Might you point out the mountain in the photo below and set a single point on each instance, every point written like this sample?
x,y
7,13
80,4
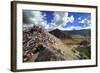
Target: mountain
x,y
60,34
69,33
40,45
83,32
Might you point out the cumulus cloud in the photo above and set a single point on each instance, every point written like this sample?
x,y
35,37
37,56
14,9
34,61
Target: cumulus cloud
x,y
37,18
79,18
85,22
71,19
61,19
70,28
31,18
74,28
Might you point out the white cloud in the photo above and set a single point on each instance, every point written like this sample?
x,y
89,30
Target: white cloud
x,y
25,26
79,18
71,19
73,28
88,27
36,18
61,19
58,18
70,28
83,21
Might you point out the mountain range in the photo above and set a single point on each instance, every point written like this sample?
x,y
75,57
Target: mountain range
x,y
69,33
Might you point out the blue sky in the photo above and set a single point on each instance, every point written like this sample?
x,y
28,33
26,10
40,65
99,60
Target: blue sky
x,y
62,20
48,16
78,17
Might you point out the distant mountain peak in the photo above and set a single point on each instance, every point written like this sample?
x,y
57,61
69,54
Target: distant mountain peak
x,y
59,34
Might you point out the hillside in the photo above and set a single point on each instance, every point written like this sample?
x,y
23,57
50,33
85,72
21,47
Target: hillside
x,y
79,38
69,33
40,45
60,34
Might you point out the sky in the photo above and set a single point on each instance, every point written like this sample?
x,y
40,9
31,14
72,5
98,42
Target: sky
x,y
51,20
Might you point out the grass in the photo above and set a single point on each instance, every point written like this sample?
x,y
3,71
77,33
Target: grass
x,y
71,41
84,52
